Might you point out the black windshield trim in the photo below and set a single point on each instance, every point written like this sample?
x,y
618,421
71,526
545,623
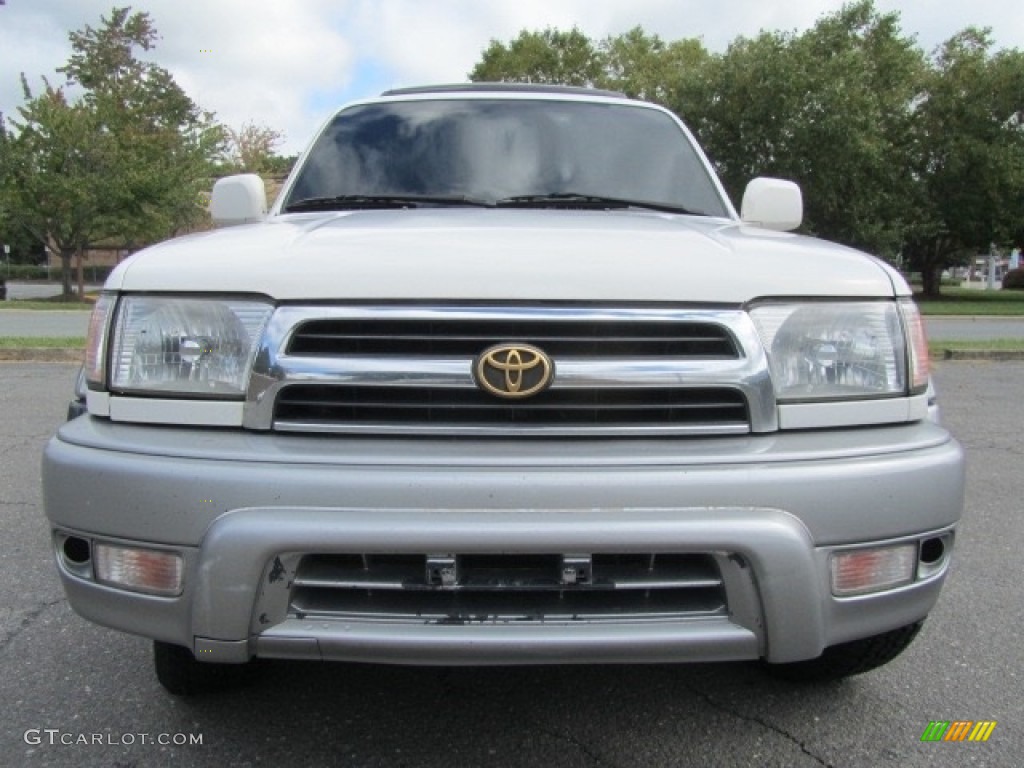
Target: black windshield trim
x,y
342,202
558,199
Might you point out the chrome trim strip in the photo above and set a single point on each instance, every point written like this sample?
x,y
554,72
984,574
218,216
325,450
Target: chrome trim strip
x,y
426,618
274,369
462,430
848,413
398,586
151,410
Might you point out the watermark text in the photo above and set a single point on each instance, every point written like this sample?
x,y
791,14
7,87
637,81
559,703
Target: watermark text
x,y
54,737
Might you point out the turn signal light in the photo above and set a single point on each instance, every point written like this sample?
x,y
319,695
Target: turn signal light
x,y
142,570
861,571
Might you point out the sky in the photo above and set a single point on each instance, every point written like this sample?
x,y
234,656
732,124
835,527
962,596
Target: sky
x,y
288,64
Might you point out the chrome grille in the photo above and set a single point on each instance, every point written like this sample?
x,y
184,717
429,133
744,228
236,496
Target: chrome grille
x,y
393,369
495,588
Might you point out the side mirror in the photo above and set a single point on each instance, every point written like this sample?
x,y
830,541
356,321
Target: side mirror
x,y
240,199
773,204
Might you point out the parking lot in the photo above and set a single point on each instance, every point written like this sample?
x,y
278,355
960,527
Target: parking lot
x,y
65,680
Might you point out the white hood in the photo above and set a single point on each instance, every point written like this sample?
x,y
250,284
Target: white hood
x,y
470,254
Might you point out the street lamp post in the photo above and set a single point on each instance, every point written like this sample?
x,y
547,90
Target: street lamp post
x,y
7,272
991,284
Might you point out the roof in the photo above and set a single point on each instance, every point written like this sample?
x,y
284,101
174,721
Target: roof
x,y
508,87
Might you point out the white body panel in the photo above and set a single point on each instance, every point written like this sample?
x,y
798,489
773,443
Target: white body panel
x,y
475,254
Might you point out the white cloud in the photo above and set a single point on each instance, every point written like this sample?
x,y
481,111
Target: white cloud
x,y
287,64
256,66
35,44
245,65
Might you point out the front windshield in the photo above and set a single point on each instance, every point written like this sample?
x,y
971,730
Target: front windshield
x,y
494,149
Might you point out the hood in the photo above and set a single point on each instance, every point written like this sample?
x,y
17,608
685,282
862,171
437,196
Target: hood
x,y
469,254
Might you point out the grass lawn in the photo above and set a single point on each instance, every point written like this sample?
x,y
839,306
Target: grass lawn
x,y
937,346
968,301
70,306
48,342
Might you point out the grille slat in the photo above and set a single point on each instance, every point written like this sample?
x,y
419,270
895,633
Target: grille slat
x,y
636,338
331,404
521,588
304,337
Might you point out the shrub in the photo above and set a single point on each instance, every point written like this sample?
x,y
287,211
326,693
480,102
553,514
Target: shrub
x,y
1014,280
93,274
25,272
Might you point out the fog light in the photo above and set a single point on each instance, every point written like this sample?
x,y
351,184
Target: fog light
x,y
934,555
871,570
143,570
75,554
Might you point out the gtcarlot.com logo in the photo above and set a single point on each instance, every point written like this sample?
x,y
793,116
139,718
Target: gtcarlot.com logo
x,y
958,730
55,737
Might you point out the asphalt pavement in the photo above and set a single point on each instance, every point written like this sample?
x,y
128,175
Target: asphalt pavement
x,y
76,694
42,322
18,289
948,328
35,323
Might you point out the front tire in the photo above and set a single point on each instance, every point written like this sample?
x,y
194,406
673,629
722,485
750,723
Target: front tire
x,y
845,659
182,675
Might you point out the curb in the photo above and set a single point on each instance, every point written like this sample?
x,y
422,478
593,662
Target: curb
x,y
992,355
976,318
41,355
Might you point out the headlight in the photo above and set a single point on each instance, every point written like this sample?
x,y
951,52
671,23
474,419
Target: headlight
x,y
834,350
180,346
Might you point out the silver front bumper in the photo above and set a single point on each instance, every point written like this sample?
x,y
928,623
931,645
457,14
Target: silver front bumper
x,y
769,508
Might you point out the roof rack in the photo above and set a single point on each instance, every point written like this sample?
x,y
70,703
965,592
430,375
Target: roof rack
x,y
513,87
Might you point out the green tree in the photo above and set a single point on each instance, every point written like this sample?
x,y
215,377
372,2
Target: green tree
x,y
250,149
24,248
968,164
637,64
548,57
124,163
898,153
281,165
645,67
828,108
51,168
166,145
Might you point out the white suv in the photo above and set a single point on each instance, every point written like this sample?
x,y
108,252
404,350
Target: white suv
x,y
503,378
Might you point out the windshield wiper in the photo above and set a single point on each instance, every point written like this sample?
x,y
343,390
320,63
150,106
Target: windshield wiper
x,y
573,199
345,202
549,200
